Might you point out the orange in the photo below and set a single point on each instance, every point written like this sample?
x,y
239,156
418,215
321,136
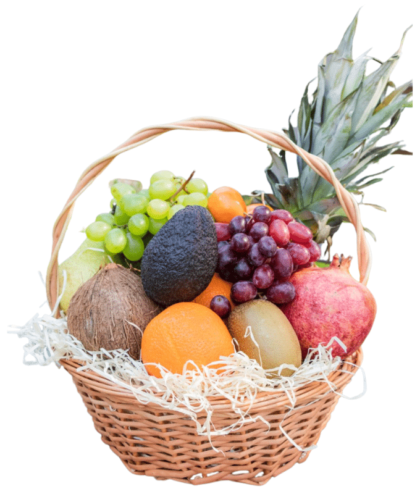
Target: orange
x,y
225,203
183,332
251,207
217,287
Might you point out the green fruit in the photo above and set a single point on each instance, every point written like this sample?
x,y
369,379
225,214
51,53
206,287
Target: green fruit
x,y
197,185
120,189
158,209
162,189
134,248
79,268
180,261
156,225
116,240
106,217
132,204
161,175
196,199
180,198
97,231
145,193
120,218
139,224
275,342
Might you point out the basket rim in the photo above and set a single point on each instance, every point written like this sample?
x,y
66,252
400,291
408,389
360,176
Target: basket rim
x,y
304,393
271,138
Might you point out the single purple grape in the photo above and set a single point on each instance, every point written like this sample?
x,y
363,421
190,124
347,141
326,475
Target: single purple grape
x,y
222,231
243,291
299,253
226,258
299,233
281,214
242,270
314,251
227,274
258,230
240,243
262,213
267,246
282,264
255,257
263,277
220,305
237,225
281,292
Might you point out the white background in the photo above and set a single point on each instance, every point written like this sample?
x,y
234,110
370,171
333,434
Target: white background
x,y
80,77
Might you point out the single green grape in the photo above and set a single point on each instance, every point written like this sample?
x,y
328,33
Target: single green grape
x,y
120,218
174,210
157,209
196,199
106,218
134,248
156,225
145,193
120,189
132,204
113,203
139,224
197,185
180,198
162,175
162,189
115,241
97,231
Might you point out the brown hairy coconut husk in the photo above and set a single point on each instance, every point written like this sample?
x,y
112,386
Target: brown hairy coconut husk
x,y
111,311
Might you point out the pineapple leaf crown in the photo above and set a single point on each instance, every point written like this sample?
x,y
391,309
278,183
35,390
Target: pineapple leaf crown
x,y
348,114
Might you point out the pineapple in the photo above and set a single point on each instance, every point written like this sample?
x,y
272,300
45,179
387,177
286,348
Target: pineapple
x,y
342,124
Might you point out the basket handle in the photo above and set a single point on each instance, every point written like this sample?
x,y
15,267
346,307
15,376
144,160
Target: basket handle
x,y
271,138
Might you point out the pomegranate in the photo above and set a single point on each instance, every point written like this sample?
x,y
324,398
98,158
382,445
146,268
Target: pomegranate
x,y
330,302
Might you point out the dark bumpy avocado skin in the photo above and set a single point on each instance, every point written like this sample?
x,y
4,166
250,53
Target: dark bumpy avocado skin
x,y
180,261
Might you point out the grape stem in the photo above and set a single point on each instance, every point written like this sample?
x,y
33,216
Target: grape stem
x,y
182,188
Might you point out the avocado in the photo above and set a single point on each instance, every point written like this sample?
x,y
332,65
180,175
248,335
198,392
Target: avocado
x,y
179,262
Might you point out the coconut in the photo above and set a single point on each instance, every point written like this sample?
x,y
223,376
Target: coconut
x,y
111,311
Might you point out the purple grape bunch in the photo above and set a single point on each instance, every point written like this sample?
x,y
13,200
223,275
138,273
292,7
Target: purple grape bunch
x,y
259,252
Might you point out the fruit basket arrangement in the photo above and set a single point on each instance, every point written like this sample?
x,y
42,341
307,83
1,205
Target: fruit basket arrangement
x,y
203,332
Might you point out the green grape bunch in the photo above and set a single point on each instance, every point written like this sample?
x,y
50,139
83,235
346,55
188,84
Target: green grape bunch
x,y
137,214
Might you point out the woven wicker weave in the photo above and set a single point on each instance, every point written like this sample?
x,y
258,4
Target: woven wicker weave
x,y
151,440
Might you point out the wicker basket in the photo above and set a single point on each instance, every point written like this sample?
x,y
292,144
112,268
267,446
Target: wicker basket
x,y
154,441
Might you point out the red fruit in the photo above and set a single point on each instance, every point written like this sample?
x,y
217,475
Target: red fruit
x,y
282,264
314,251
299,233
281,214
330,302
263,277
299,253
281,292
279,231
222,231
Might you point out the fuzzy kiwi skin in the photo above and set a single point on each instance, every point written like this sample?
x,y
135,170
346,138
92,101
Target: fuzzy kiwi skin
x,y
276,338
181,259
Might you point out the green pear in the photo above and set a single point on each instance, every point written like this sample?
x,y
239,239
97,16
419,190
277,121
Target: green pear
x,y
80,267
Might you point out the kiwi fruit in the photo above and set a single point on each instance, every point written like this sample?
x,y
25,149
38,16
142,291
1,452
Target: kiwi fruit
x,y
275,342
